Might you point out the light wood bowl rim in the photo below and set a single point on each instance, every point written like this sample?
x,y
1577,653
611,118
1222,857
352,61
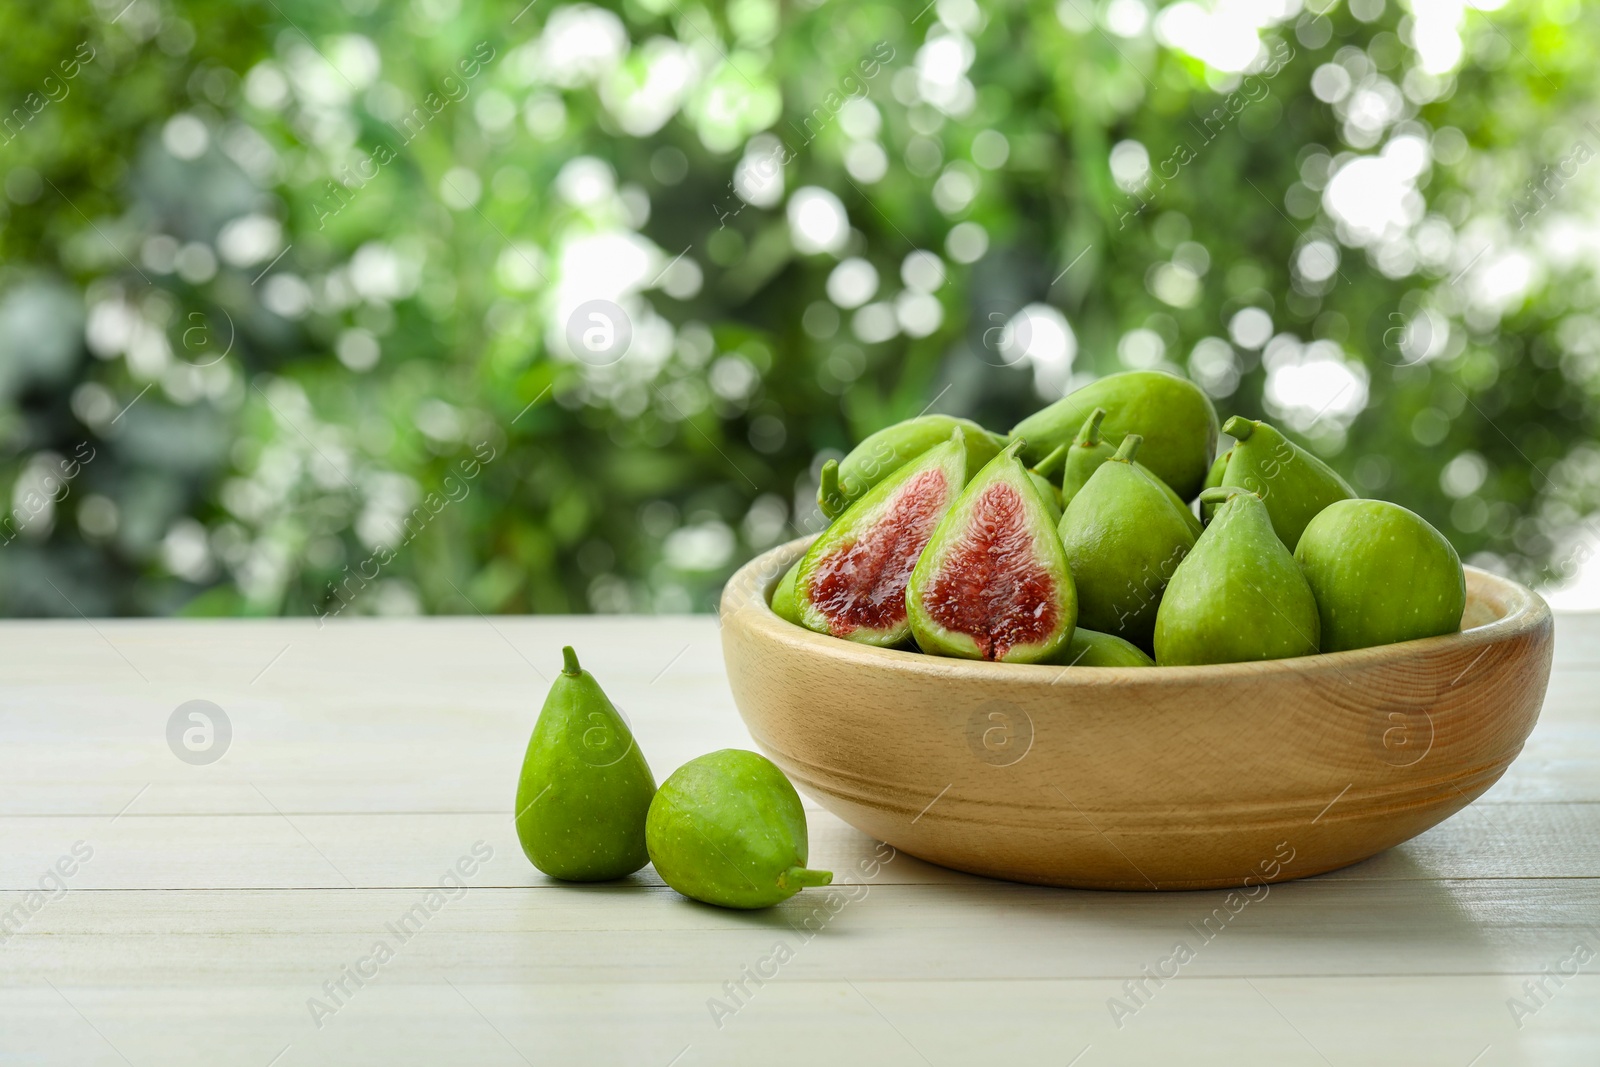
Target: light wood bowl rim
x,y
1522,612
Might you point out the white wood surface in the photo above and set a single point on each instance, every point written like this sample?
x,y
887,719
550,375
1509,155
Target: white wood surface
x,y
369,756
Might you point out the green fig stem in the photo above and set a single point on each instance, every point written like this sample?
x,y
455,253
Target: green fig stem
x,y
569,662
803,878
1239,428
828,495
1221,494
1010,451
1129,448
1089,436
1051,463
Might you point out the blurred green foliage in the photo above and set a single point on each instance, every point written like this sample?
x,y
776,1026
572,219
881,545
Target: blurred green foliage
x,y
284,288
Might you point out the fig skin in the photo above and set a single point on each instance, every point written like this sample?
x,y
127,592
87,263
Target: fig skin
x,y
1295,485
1124,539
1091,648
1213,480
1172,414
727,828
1218,469
1045,476
1381,574
1084,456
783,598
1048,494
585,787
1238,596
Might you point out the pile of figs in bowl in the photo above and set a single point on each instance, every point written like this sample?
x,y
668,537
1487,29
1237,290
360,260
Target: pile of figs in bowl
x,y
1096,652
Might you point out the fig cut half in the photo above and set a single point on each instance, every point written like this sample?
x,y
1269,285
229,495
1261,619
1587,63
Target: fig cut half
x,y
993,582
852,580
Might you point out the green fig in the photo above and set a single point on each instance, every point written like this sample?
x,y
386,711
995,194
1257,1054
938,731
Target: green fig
x,y
1380,574
1294,484
1043,475
1124,536
1174,417
727,828
852,580
1049,494
1213,480
1091,648
783,600
992,582
1088,451
1239,595
1084,456
882,453
585,786
1214,475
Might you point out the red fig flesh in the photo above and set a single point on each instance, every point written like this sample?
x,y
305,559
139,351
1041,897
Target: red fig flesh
x,y
993,582
852,581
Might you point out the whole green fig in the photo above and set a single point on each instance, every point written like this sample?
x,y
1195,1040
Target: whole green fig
x,y
585,786
1213,480
1294,484
1084,455
727,828
1380,574
783,601
1088,451
1046,476
1218,469
1048,494
1124,536
1239,595
1175,418
1091,648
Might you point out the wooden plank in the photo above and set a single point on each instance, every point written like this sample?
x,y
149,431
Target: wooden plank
x,y
882,932
401,716
377,851
1201,1021
1222,1022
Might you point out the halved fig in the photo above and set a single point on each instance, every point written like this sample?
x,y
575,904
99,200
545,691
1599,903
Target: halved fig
x,y
879,454
993,582
852,581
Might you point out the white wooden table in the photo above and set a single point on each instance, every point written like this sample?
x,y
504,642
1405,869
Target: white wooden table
x,y
210,908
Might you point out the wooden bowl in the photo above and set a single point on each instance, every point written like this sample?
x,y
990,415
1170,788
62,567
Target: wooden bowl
x,y
1141,778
